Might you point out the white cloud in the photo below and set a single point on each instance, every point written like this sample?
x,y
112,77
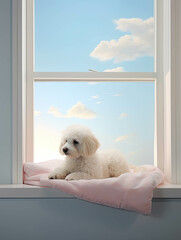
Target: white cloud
x,y
37,113
123,115
138,43
122,138
98,102
95,97
55,112
118,69
79,110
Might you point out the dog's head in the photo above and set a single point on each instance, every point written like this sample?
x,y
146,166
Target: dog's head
x,y
77,141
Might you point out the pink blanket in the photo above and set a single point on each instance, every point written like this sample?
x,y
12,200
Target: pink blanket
x,y
130,191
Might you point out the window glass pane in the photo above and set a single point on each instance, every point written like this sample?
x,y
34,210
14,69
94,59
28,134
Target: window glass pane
x,y
98,35
121,114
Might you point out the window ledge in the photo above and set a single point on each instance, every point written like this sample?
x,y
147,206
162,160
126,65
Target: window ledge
x,y
167,191
27,191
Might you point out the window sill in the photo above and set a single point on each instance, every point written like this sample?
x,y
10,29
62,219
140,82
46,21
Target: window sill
x,y
27,191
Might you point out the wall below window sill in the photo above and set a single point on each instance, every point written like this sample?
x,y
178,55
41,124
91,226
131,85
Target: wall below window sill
x,y
27,191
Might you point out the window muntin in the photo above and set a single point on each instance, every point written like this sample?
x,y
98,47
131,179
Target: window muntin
x,y
78,36
121,114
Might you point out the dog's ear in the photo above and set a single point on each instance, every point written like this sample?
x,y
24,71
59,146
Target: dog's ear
x,y
89,146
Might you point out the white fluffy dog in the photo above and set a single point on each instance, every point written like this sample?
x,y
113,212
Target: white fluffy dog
x,y
82,161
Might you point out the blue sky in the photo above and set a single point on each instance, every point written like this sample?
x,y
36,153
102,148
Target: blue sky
x,y
81,35
66,32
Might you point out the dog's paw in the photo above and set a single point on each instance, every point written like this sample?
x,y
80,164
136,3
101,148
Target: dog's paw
x,y
72,176
77,176
52,176
57,175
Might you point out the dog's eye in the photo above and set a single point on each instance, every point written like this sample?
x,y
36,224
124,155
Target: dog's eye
x,y
75,142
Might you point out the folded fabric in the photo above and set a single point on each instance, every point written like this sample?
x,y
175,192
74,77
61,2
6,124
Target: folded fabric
x,y
130,191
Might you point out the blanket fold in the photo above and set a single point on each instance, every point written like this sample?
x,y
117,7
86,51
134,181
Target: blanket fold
x,y
130,191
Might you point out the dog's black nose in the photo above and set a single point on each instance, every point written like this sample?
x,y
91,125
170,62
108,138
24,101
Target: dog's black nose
x,y
65,150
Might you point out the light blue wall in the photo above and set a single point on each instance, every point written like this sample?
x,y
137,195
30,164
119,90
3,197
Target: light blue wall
x,y
46,219
67,219
5,92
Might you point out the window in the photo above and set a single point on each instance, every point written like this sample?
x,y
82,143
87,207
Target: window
x,y
94,36
99,61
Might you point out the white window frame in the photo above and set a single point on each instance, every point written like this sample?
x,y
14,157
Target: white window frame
x,y
167,91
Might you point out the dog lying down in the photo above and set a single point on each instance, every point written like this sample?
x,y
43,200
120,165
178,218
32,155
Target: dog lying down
x,y
82,161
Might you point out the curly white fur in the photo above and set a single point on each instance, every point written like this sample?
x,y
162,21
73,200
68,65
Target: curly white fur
x,y
83,161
